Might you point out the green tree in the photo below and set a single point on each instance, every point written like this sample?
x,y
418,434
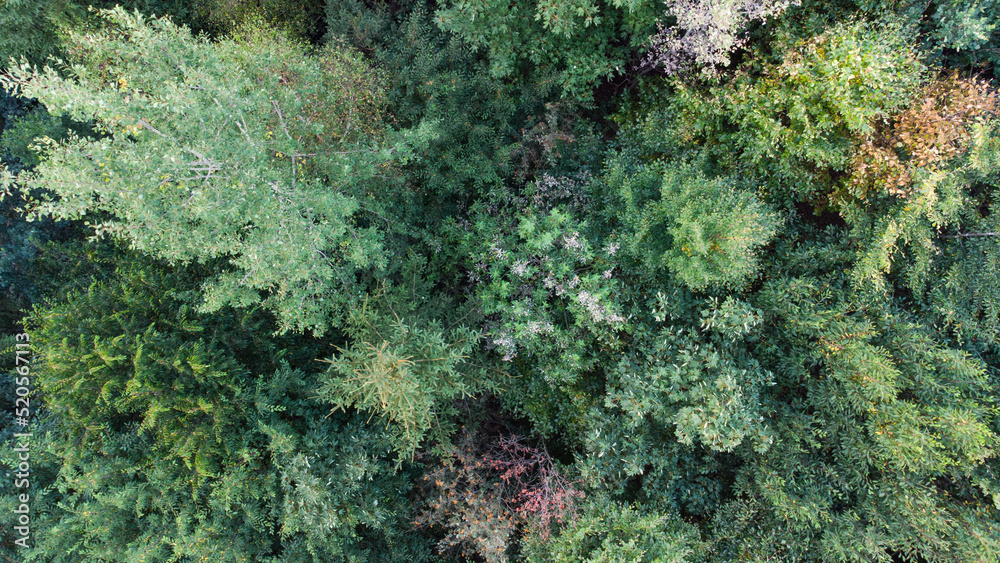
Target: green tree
x,y
36,29
406,368
570,44
180,436
793,127
881,428
610,531
245,150
705,232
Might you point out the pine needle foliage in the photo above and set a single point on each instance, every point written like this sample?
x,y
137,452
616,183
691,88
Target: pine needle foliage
x,y
706,232
246,150
407,372
748,314
180,436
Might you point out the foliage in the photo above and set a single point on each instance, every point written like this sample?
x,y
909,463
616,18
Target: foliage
x,y
886,429
574,303
950,181
20,240
707,371
219,18
274,179
795,127
965,297
573,44
610,531
407,372
179,435
433,76
968,28
709,31
481,492
935,128
31,29
20,134
706,232
548,296
36,29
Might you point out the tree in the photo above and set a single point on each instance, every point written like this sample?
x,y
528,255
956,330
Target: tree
x,y
747,314
705,232
176,435
407,369
706,31
881,428
612,531
36,29
795,125
574,43
246,151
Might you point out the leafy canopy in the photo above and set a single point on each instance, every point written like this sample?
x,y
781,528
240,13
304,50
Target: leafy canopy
x,y
246,151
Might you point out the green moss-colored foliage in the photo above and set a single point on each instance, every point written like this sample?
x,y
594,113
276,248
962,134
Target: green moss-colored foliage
x,y
237,149
22,135
968,27
32,29
888,427
549,293
36,29
182,436
572,45
966,297
705,232
609,531
794,128
435,76
407,370
219,18
506,281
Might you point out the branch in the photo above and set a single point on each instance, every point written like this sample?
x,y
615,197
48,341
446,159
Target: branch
x,y
281,118
146,124
964,235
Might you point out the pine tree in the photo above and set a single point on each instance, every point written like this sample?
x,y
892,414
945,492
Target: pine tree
x,y
408,370
175,435
705,232
244,150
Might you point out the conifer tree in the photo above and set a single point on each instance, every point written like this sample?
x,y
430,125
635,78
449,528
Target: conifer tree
x,y
180,436
749,314
242,150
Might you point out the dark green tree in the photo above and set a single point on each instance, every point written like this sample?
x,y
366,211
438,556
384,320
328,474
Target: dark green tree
x,y
179,436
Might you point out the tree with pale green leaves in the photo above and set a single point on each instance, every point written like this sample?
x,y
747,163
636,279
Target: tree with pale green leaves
x,y
244,151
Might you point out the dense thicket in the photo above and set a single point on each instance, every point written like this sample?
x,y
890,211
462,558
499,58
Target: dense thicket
x,y
569,281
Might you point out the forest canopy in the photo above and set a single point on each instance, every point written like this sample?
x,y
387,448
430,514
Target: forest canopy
x,y
379,280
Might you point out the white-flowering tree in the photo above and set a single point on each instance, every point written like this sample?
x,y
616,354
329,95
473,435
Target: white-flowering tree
x,y
707,31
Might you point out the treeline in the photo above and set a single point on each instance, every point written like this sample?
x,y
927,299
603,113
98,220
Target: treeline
x,y
561,281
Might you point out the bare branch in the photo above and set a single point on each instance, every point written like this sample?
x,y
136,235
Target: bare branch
x,y
964,235
146,124
281,118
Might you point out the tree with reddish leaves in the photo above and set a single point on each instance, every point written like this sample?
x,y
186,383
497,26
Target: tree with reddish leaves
x,y
483,492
